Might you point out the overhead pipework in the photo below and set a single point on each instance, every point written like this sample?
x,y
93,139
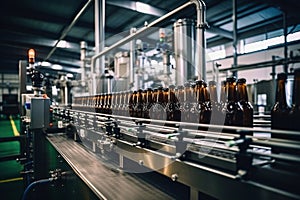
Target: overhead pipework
x,y
200,38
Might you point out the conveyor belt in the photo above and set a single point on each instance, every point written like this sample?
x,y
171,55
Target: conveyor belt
x,y
103,181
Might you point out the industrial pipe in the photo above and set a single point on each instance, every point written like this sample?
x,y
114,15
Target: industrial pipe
x,y
200,60
234,44
83,48
201,8
67,29
132,61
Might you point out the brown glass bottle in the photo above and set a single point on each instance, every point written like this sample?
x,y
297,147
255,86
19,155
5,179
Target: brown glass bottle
x,y
148,103
243,100
121,103
127,103
174,99
109,103
203,105
172,108
212,86
139,104
153,106
295,112
165,103
179,93
91,104
280,110
232,108
132,104
113,102
105,111
116,103
187,103
223,93
100,98
159,105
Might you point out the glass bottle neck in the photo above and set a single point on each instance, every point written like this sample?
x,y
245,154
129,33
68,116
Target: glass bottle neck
x,y
231,95
242,92
280,94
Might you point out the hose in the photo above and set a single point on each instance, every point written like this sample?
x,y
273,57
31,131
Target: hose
x,y
33,184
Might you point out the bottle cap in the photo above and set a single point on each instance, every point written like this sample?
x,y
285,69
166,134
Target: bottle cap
x,y
160,88
282,76
187,84
199,82
231,79
212,83
172,86
180,87
241,80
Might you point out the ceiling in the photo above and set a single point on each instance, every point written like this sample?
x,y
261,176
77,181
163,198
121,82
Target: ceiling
x,y
39,24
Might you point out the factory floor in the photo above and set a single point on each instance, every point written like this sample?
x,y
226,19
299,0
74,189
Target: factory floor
x,y
11,181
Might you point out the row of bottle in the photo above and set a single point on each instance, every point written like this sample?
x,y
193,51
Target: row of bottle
x,y
283,116
194,102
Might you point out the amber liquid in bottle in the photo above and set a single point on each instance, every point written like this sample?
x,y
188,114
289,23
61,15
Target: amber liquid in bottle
x,y
176,105
171,108
243,100
180,101
109,111
280,110
139,104
223,94
148,103
232,108
187,103
165,112
295,112
203,105
159,109
126,103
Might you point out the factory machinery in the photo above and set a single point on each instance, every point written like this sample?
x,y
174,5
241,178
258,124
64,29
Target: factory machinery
x,y
176,142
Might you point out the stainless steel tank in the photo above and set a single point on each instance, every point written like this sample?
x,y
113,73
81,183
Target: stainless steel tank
x,y
184,49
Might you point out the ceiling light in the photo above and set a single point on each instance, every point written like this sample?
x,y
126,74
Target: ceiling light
x,y
45,64
69,75
63,44
57,67
143,7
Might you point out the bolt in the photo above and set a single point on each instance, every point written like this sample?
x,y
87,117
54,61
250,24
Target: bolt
x,y
141,162
174,177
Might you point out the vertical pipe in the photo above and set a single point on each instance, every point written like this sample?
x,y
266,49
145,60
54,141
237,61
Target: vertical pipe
x,y
132,61
234,20
66,93
200,60
83,47
285,33
99,41
273,74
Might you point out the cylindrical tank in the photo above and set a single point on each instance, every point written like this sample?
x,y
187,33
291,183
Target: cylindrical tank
x,y
184,49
